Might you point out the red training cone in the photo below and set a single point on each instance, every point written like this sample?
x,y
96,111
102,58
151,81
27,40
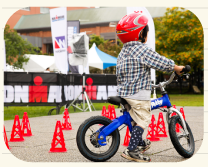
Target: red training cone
x,y
113,113
182,112
160,129
58,139
151,134
177,125
173,114
66,124
5,139
16,134
127,137
108,114
25,126
104,111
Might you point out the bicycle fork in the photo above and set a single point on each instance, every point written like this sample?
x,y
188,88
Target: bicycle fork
x,y
170,111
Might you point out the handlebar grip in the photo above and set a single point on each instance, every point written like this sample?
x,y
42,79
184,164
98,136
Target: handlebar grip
x,y
186,69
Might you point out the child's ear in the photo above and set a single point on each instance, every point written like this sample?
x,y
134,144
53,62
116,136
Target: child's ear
x,y
140,35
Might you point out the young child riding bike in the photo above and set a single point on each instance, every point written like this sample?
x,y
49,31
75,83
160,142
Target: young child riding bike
x,y
134,79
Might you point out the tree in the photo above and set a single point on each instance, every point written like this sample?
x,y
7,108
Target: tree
x,y
111,49
96,39
16,48
179,36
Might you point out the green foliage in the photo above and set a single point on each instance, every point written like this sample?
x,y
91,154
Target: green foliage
x,y
179,36
111,48
95,39
16,47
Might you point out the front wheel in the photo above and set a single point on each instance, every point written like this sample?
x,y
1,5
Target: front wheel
x,y
87,139
184,144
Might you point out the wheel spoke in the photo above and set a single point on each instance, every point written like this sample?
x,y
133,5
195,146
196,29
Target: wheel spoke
x,y
179,136
91,129
109,137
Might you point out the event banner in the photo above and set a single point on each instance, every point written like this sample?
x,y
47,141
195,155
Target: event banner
x,y
50,88
58,18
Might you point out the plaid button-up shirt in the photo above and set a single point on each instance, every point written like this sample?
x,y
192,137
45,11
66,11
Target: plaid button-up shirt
x,y
133,68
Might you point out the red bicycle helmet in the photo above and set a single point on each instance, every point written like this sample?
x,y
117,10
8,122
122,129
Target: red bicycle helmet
x,y
129,27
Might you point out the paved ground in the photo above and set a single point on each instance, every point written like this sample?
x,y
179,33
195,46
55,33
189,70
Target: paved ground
x,y
36,148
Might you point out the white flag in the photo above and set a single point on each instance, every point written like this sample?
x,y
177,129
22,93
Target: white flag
x,y
58,18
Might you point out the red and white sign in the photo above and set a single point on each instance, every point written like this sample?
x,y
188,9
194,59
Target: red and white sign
x,y
39,93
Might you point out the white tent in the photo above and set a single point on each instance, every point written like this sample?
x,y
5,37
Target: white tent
x,y
99,59
39,63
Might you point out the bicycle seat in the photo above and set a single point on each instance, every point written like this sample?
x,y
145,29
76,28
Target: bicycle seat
x,y
116,100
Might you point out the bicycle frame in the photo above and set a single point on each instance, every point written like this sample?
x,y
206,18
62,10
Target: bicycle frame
x,y
126,118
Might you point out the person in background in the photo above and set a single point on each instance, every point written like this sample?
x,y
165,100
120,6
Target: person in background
x,y
47,70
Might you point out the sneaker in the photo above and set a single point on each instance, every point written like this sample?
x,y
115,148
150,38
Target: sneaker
x,y
144,148
135,155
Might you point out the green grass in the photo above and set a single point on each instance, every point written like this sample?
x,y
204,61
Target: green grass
x,y
187,100
10,112
178,100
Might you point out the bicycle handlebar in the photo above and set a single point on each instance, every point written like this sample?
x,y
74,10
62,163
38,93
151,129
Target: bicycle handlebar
x,y
186,69
161,85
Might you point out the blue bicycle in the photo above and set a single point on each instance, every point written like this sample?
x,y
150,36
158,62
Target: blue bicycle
x,y
98,137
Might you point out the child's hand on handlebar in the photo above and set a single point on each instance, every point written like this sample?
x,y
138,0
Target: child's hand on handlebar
x,y
178,69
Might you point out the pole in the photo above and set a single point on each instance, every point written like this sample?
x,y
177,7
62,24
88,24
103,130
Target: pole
x,y
83,89
115,36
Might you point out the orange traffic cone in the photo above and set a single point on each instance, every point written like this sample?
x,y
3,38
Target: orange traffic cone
x,y
16,134
66,124
58,139
25,126
151,134
127,137
5,139
161,130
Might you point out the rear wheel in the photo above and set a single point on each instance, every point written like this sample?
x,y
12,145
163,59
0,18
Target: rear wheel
x,y
87,142
184,144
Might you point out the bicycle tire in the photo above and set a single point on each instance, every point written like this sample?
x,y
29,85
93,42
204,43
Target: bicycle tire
x,y
186,153
82,146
